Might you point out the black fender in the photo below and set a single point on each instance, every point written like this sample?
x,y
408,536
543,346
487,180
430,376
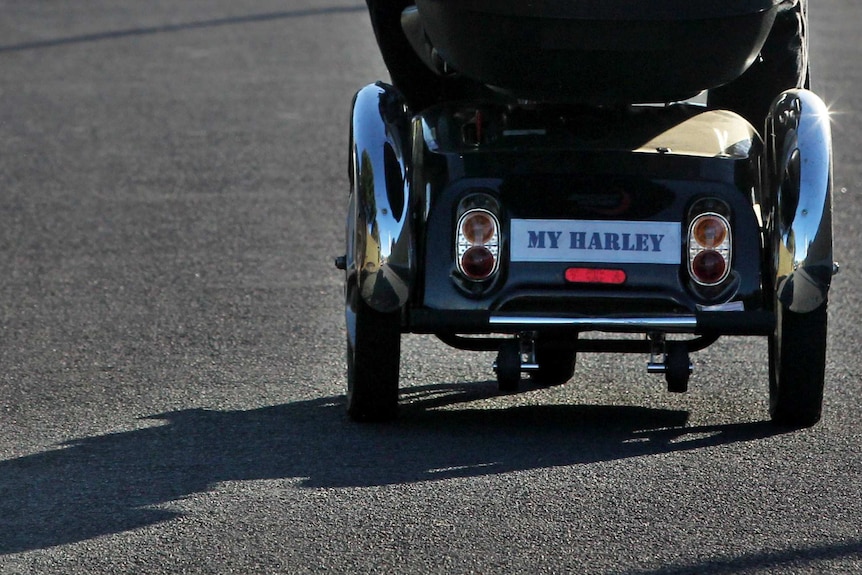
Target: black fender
x,y
798,186
381,249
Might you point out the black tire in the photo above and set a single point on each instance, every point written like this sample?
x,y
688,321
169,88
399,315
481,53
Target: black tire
x,y
509,366
556,364
373,357
677,367
797,365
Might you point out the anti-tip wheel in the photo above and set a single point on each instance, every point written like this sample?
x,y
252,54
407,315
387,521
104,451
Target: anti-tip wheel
x,y
509,366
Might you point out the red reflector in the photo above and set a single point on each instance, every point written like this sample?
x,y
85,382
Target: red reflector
x,y
709,267
478,263
595,276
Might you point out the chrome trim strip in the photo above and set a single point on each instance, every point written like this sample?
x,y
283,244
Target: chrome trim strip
x,y
672,324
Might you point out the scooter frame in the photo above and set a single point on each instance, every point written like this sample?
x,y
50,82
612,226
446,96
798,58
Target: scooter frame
x,y
408,173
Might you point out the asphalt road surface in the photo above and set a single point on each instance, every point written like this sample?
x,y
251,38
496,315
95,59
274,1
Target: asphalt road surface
x,y
172,192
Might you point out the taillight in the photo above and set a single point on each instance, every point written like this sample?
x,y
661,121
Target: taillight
x,y
478,241
709,249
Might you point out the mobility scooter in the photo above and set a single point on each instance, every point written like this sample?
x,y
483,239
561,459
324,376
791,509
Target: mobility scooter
x,y
585,196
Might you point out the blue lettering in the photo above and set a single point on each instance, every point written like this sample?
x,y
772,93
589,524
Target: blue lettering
x,y
656,241
577,240
627,242
537,240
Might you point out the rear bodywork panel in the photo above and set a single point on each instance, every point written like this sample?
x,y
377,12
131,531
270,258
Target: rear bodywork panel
x,y
592,188
595,189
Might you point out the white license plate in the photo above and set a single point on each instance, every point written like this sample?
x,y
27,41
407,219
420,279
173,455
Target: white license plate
x,y
591,241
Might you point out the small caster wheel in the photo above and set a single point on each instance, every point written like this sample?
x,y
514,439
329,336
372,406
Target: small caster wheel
x,y
677,367
556,365
509,366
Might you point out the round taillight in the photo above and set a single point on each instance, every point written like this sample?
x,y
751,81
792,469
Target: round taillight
x,y
709,248
478,227
478,262
709,267
477,244
709,231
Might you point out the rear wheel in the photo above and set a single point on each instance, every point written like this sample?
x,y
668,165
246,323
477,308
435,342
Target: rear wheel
x,y
797,364
373,357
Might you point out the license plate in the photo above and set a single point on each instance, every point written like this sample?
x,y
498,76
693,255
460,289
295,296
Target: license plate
x,y
591,241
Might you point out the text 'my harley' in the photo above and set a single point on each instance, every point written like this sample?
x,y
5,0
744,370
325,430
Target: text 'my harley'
x,y
591,241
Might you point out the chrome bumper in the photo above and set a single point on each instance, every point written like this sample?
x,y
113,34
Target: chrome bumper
x,y
672,324
484,322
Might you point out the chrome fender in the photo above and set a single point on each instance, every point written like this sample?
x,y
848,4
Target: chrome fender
x,y
380,244
799,187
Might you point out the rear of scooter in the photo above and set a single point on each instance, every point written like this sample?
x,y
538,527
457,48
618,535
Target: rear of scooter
x,y
562,215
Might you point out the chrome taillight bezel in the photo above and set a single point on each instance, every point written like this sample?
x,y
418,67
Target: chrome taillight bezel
x,y
463,244
724,249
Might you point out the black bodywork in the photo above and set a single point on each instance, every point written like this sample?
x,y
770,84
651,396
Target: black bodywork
x,y
562,171
550,165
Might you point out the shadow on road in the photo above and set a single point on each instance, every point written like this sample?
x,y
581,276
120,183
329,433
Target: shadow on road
x,y
167,28
109,484
772,560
